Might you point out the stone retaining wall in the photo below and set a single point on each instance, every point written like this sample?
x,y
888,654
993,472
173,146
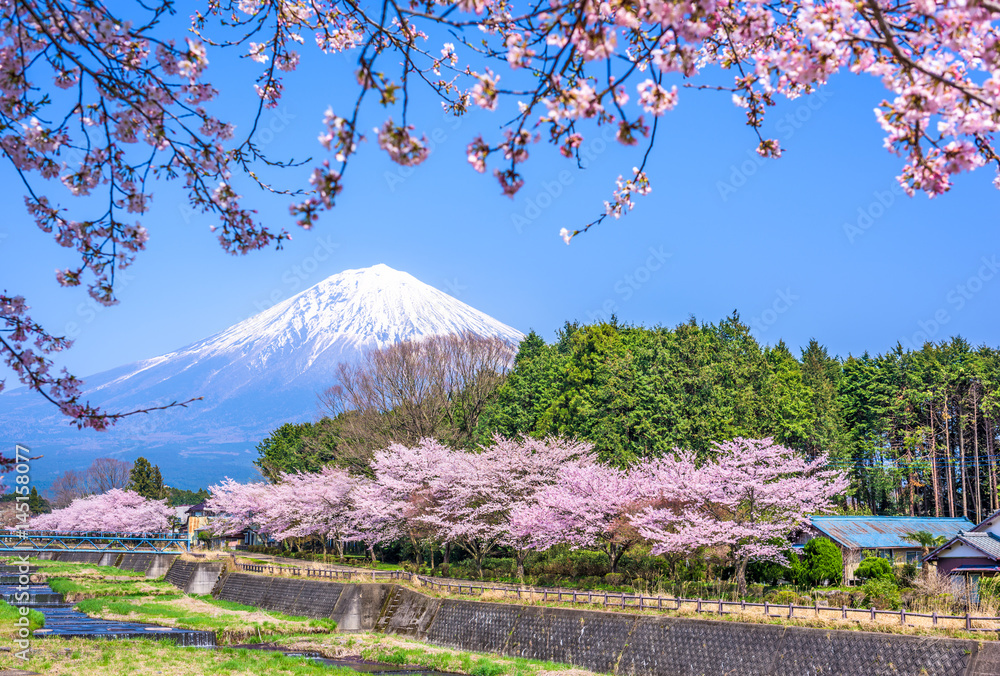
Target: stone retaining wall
x,y
193,577
153,565
616,643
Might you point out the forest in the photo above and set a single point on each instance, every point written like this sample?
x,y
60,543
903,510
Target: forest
x,y
915,430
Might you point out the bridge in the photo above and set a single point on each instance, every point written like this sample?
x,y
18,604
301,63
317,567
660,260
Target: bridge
x,y
153,543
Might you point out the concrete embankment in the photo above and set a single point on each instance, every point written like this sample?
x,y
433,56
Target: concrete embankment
x,y
152,564
617,643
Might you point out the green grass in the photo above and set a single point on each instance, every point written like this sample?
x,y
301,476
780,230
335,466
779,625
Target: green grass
x,y
64,568
231,625
9,614
457,661
77,588
142,657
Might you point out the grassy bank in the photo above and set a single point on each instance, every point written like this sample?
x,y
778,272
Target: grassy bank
x,y
231,623
141,657
9,615
80,657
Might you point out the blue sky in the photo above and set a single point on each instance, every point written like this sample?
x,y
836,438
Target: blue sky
x,y
820,243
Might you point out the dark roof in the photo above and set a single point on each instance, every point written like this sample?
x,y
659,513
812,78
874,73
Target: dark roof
x,y
975,569
987,543
982,525
884,532
200,507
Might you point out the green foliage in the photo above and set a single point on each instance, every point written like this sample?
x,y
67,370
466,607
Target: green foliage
x,y
875,568
823,562
305,447
636,392
146,480
10,614
881,593
783,597
905,574
37,504
177,497
989,591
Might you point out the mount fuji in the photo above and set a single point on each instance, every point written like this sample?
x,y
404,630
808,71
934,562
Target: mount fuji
x,y
253,377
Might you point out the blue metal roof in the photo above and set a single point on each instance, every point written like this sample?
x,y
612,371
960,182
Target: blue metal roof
x,y
885,532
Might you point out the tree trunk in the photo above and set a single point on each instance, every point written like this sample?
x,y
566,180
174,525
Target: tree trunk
x,y
975,456
934,473
520,555
947,466
418,552
371,551
447,556
993,466
911,477
962,461
741,578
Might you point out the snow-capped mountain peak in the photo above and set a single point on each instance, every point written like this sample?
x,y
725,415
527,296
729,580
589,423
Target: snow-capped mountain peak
x,y
255,375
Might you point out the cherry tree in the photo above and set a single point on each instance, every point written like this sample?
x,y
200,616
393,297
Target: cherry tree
x,y
751,495
370,516
298,505
117,511
236,505
98,104
476,493
586,506
409,479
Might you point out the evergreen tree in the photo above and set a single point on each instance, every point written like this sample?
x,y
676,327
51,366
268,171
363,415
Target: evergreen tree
x,y
146,480
37,504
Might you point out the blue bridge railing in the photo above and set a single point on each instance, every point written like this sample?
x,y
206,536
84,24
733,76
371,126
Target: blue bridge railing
x,y
14,540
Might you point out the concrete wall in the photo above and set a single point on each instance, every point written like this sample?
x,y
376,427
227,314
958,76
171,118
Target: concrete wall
x,y
353,607
193,577
153,565
615,643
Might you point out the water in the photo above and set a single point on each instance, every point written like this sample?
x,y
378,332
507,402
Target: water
x,y
62,619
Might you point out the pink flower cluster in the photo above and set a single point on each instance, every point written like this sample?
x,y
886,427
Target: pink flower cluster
x,y
116,511
533,494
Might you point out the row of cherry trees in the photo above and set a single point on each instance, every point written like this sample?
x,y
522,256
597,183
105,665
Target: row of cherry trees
x,y
117,511
530,495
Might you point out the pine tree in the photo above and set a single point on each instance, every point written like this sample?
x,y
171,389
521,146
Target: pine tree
x,y
37,504
146,480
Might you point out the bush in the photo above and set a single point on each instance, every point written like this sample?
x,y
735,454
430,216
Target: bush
x,y
989,592
822,562
905,574
783,597
881,593
875,568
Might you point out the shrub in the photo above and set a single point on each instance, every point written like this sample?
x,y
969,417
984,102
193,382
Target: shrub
x,y
782,597
822,562
881,593
905,574
767,572
874,568
989,594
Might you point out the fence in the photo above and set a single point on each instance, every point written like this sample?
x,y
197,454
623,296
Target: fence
x,y
41,540
641,602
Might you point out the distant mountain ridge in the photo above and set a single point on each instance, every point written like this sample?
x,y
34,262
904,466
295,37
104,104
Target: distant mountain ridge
x,y
254,376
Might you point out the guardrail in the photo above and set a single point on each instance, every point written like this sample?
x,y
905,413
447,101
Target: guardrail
x,y
98,541
641,602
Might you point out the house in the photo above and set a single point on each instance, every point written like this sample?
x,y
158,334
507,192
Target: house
x,y
972,553
883,535
198,519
